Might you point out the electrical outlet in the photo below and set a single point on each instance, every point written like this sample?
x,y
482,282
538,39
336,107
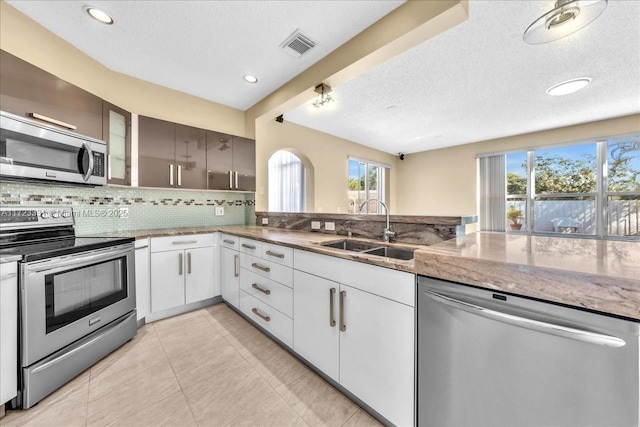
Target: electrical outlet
x,y
265,221
219,210
330,226
315,225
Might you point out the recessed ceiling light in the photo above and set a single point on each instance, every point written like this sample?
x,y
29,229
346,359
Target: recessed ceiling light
x,y
250,78
569,86
99,15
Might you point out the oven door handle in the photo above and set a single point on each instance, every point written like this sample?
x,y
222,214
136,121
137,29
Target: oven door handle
x,y
54,263
84,345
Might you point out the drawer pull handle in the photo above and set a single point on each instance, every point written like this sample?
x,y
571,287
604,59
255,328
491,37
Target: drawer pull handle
x,y
343,327
53,121
332,321
8,276
275,254
264,291
229,242
260,267
260,315
244,245
183,242
142,247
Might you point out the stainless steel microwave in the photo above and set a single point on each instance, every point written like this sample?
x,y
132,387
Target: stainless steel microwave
x,y
33,151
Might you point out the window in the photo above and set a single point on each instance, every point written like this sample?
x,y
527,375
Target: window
x,y
588,189
286,183
366,183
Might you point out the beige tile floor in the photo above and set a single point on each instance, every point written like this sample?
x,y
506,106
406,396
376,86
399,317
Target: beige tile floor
x,y
205,368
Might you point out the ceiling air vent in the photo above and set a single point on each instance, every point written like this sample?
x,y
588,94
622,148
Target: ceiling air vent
x,y
297,44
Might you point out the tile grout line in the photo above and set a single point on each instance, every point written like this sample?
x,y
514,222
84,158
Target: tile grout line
x,y
184,396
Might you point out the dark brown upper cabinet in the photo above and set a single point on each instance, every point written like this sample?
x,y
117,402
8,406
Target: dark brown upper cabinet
x,y
116,131
27,90
171,155
231,162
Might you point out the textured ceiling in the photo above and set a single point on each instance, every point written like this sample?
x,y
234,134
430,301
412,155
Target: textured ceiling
x,y
475,82
204,47
480,81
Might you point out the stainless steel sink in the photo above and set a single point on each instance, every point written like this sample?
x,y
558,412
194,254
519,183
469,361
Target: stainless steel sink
x,y
351,245
389,252
372,248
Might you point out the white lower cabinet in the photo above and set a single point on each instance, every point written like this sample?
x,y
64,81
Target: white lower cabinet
x,y
230,266
8,331
267,317
143,278
359,338
182,270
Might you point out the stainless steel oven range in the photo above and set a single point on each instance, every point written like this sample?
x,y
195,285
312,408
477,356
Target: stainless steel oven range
x,y
76,297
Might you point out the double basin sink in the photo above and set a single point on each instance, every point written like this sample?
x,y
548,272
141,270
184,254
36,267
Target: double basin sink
x,y
372,248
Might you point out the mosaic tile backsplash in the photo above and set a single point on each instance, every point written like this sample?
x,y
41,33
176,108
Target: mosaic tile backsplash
x,y
108,209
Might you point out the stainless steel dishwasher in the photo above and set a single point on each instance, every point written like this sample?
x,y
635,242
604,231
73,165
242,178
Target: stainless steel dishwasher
x,y
490,359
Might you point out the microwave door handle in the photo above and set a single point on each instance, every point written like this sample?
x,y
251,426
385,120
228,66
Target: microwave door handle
x,y
87,147
523,322
53,264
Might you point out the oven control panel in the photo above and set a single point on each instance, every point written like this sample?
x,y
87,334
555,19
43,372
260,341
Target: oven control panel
x,y
32,217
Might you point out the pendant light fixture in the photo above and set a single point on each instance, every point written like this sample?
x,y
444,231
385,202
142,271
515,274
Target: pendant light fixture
x,y
567,17
324,97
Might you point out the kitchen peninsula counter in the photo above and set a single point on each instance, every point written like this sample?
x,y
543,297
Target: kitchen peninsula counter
x,y
599,275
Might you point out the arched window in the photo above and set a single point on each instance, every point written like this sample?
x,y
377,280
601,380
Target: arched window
x,y
286,183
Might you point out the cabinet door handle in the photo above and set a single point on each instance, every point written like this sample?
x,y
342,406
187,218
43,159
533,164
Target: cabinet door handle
x,y
343,327
236,173
180,264
332,321
264,291
8,276
260,315
235,266
171,174
188,262
142,247
244,245
183,242
275,254
109,166
179,175
229,242
53,121
231,180
260,267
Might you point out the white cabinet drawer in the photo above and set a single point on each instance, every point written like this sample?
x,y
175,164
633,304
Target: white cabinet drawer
x,y
278,254
231,242
393,284
279,273
172,243
249,246
266,290
267,317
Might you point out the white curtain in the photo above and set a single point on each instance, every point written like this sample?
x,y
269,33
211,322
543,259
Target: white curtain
x,y
492,193
286,183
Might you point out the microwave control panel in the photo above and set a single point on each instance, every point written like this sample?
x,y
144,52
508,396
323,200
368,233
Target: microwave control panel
x,y
98,164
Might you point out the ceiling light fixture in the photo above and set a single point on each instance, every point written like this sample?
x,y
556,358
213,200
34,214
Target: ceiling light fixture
x,y
568,86
567,17
99,15
323,98
249,78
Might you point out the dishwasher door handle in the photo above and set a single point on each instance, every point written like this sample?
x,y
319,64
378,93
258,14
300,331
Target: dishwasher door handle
x,y
523,322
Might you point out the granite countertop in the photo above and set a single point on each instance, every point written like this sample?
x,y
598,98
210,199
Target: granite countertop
x,y
599,275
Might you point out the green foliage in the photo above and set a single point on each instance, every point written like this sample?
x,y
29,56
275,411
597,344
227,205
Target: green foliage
x,y
513,214
623,176
562,175
516,184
